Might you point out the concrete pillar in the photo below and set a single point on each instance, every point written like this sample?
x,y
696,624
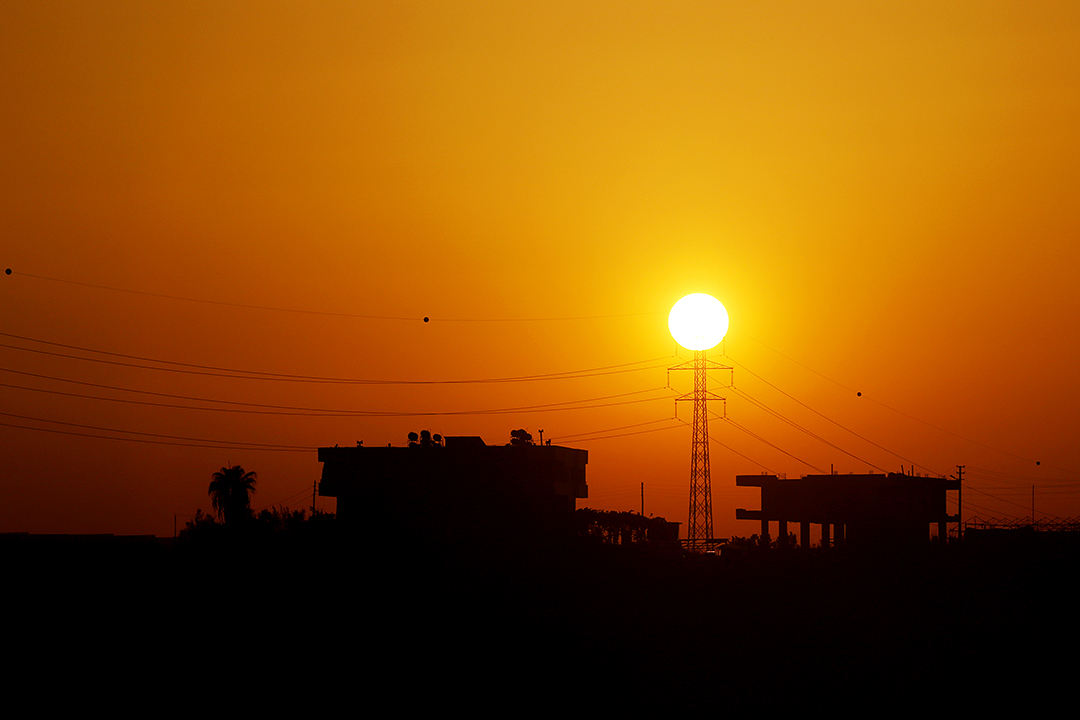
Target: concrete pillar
x,y
804,535
942,532
825,535
781,534
838,529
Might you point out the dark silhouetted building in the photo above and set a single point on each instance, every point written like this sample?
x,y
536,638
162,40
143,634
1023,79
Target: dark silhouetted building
x,y
461,488
865,509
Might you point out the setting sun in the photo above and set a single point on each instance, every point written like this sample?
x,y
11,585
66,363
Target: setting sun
x,y
698,321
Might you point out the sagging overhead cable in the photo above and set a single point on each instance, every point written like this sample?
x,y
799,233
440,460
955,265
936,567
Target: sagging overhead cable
x,y
325,313
214,371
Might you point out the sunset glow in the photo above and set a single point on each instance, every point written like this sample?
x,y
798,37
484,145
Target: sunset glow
x,y
226,223
698,321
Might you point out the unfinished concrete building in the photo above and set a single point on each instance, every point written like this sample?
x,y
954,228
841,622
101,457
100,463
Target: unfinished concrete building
x,y
865,509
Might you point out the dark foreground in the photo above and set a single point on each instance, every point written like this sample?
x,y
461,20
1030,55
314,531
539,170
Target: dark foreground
x,y
571,628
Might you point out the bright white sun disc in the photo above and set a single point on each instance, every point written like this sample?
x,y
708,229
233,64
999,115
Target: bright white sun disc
x,y
698,322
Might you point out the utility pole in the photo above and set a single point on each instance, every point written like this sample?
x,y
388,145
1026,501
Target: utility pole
x,y
959,500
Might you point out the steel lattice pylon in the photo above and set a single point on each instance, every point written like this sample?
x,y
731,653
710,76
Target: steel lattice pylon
x,y
699,529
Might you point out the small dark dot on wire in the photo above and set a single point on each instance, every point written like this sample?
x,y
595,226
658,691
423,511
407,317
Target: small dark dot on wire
x,y
426,319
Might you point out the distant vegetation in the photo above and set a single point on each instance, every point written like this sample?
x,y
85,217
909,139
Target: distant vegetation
x,y
230,495
622,528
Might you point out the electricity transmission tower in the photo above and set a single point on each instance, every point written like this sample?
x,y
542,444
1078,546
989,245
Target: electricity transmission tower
x,y
699,530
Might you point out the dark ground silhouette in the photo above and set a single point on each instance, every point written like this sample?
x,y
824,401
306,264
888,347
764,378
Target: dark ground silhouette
x,y
575,625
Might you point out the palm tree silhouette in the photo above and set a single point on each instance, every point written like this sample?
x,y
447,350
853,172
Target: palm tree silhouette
x,y
230,492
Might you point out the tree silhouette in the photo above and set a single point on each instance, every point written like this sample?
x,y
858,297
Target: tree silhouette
x,y
230,492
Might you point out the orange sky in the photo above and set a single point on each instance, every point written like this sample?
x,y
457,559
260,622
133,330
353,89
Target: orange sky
x,y
884,197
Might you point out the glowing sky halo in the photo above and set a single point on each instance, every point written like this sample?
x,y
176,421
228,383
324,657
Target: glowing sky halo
x,y
698,321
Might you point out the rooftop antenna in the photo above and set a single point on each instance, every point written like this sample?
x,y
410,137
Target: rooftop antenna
x,y
699,322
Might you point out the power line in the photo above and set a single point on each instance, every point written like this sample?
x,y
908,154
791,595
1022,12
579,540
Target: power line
x,y
155,435
302,495
359,316
251,408
999,499
212,371
638,432
156,442
842,427
958,435
792,423
761,439
791,359
899,412
1025,478
599,432
983,508
731,449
